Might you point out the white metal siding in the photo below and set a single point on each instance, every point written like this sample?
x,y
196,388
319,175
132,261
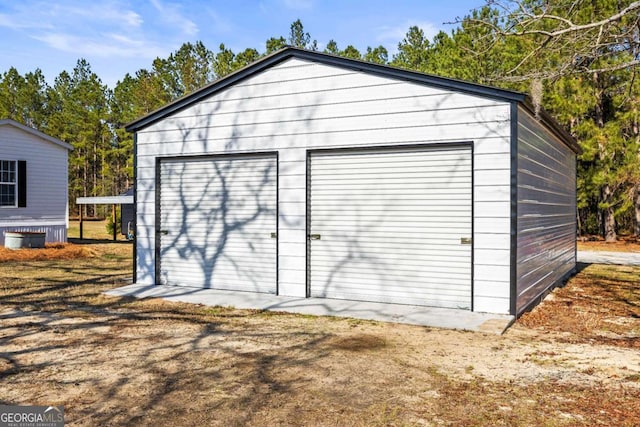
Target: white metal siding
x,y
47,184
390,224
216,219
299,105
546,210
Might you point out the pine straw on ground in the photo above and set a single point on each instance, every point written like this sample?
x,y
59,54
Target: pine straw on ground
x,y
601,304
122,361
51,251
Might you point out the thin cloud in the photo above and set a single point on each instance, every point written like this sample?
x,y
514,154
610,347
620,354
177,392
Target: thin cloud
x,y
106,45
102,28
219,24
18,22
38,15
171,14
101,13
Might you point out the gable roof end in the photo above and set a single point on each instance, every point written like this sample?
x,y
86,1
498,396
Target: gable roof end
x,y
357,65
35,132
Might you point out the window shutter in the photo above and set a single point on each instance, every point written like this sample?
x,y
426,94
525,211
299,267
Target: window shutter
x,y
22,183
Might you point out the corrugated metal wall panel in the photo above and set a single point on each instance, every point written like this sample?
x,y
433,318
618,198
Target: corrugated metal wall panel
x,y
216,218
269,111
546,210
390,223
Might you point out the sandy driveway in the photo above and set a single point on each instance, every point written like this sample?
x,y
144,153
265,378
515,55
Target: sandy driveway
x,y
605,257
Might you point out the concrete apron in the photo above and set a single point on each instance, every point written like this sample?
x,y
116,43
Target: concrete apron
x,y
415,315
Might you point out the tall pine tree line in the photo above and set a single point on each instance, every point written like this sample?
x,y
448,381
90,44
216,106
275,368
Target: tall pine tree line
x,y
593,92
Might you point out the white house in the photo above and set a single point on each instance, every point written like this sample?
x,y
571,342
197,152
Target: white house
x,y
33,182
310,175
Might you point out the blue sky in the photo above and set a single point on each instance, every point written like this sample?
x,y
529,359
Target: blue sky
x,y
117,37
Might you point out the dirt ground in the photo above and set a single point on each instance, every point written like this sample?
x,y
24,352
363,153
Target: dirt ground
x,y
574,360
623,244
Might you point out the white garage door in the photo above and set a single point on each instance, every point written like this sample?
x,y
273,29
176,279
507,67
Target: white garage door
x,y
217,216
392,225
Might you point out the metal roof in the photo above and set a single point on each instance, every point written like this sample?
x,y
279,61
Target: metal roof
x,y
357,65
35,132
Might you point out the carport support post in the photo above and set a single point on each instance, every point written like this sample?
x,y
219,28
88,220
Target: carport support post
x,y
80,206
113,217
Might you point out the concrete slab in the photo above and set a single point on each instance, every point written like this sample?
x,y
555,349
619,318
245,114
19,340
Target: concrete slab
x,y
602,257
396,313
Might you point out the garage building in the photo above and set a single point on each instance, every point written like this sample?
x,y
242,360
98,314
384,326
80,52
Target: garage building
x,y
310,175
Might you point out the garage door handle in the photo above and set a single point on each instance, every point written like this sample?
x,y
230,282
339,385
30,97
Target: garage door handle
x,y
314,237
465,240
164,232
274,235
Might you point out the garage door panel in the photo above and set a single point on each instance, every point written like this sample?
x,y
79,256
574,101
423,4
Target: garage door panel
x,y
390,224
435,232
399,247
368,207
411,298
410,196
442,237
223,282
230,271
455,217
416,293
394,262
438,182
369,204
389,161
213,221
381,269
442,175
238,242
212,227
257,262
413,289
216,218
212,200
258,229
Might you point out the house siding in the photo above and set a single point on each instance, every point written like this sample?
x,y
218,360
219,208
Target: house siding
x,y
546,242
47,177
300,105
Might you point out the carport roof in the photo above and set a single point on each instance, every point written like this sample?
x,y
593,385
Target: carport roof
x,y
125,198
357,65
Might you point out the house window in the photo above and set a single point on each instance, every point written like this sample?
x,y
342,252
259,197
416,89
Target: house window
x,y
8,183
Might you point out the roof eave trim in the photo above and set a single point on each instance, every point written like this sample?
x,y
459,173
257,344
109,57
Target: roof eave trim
x,y
553,125
204,92
35,132
289,52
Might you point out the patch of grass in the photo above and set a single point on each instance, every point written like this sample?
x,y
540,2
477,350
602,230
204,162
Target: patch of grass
x,y
93,230
358,342
634,377
218,310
